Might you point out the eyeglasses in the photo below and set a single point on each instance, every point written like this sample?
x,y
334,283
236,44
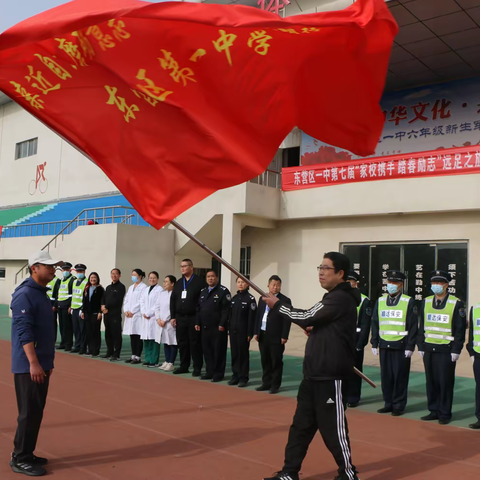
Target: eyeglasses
x,y
322,268
184,266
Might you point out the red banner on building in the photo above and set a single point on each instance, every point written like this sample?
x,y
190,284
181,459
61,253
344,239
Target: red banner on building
x,y
455,161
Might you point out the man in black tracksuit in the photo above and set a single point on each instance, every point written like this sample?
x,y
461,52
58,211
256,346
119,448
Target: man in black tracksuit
x,y
272,335
112,303
364,319
212,317
183,311
64,304
328,364
241,325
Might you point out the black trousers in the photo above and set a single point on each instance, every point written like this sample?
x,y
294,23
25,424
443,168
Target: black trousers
x,y
189,343
476,372
271,355
395,373
320,405
214,345
240,350
79,330
136,343
113,334
55,323
94,336
355,382
66,328
440,376
31,399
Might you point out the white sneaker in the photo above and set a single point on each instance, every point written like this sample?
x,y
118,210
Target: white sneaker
x,y
169,367
163,365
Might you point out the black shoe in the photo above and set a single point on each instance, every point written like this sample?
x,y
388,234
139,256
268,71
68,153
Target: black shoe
x,y
444,421
60,347
75,350
385,410
262,388
82,352
197,373
243,384
475,426
218,379
273,391
114,359
180,371
95,356
87,355
68,349
353,405
205,377
153,365
130,360
283,476
430,416
233,381
30,469
134,361
106,356
397,413
34,459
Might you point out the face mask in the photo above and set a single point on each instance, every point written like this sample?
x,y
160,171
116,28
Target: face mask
x,y
391,288
80,276
437,289
66,274
134,279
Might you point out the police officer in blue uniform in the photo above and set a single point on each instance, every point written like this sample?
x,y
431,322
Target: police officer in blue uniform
x,y
213,311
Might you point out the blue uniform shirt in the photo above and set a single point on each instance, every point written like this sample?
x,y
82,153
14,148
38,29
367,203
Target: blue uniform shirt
x,y
32,321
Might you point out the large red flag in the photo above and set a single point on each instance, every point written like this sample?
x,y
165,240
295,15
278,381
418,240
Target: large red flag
x,y
174,101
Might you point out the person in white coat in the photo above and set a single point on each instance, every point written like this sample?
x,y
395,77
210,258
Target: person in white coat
x,y
165,331
133,316
149,305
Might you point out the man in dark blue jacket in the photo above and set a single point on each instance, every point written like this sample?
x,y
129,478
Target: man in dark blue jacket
x,y
33,352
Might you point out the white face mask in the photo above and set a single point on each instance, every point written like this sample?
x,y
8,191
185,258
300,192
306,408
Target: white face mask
x,y
437,289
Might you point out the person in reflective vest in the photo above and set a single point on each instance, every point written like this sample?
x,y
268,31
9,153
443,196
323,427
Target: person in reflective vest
x,y
79,324
394,333
473,347
364,319
64,303
52,294
441,337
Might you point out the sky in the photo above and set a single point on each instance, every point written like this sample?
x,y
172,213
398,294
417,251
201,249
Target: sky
x,y
12,12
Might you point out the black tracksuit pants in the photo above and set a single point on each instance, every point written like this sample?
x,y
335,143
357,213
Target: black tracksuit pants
x,y
440,376
395,373
189,343
113,334
214,346
94,336
240,350
66,328
271,355
31,399
320,406
355,382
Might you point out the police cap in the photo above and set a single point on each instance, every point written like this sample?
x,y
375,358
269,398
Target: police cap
x,y
80,267
353,275
440,276
396,276
66,266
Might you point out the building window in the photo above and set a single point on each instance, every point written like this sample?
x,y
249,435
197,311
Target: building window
x,y
26,149
3,272
245,259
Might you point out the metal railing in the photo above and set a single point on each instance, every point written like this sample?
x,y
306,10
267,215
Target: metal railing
x,y
269,178
107,215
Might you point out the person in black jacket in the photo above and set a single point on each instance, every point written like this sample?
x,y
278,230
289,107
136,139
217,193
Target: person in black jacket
x,y
328,364
183,310
112,303
64,304
394,332
364,319
272,335
241,325
212,317
92,314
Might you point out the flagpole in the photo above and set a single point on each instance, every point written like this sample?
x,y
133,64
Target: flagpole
x,y
219,259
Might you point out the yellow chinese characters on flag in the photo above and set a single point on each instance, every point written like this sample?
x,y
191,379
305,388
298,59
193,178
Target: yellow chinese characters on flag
x,y
181,99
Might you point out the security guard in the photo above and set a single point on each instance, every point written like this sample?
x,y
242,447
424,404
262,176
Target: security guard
x,y
79,327
64,303
440,340
473,347
212,317
52,294
394,331
364,320
241,327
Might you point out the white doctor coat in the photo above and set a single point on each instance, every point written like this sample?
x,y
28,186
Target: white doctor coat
x,y
133,325
149,305
166,334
